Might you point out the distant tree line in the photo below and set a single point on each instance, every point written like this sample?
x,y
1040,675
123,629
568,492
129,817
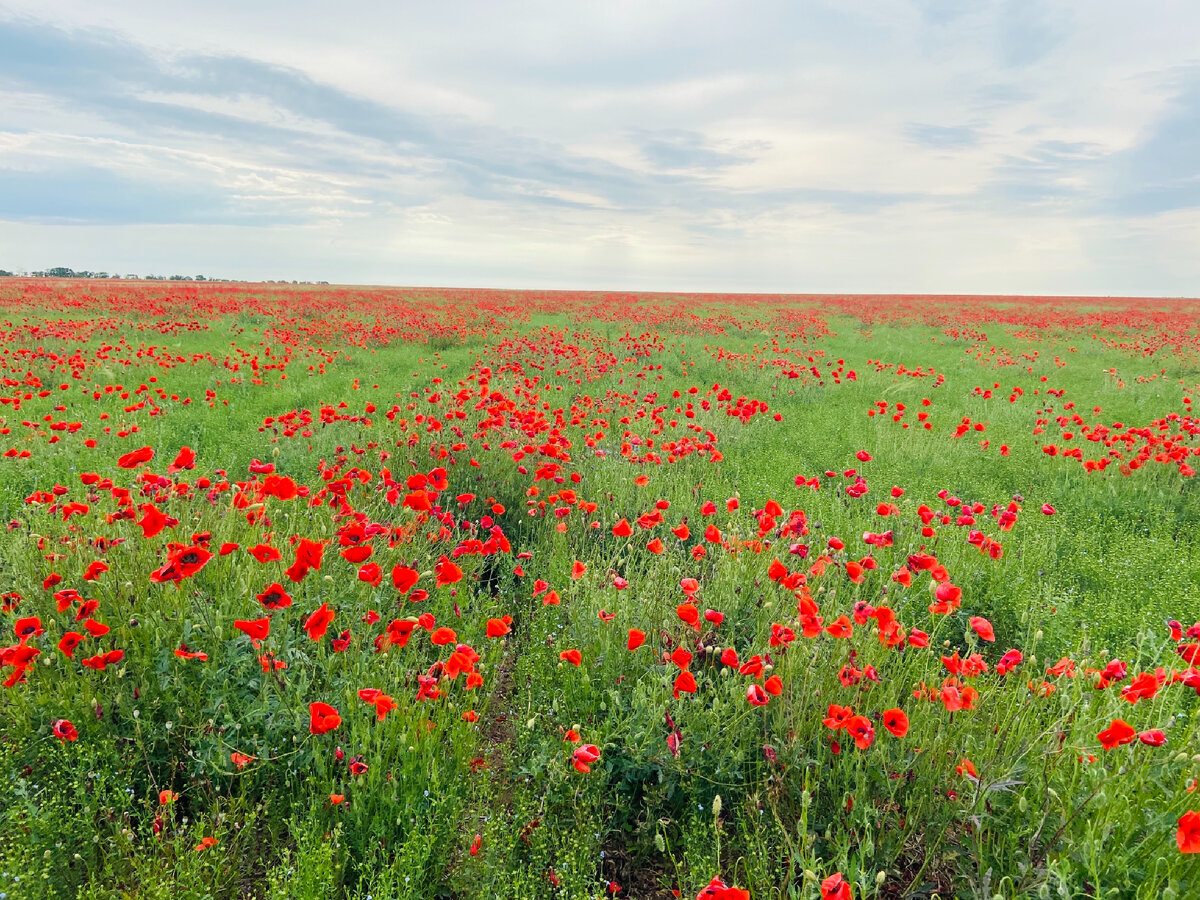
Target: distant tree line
x,y
64,272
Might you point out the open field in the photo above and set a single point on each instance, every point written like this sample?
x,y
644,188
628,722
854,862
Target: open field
x,y
321,592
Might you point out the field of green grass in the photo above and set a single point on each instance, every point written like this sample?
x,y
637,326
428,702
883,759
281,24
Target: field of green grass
x,y
467,594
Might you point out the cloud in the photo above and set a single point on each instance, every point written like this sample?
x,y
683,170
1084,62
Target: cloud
x,y
651,143
941,137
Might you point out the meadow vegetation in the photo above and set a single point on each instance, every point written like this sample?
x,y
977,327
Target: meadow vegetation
x,y
322,593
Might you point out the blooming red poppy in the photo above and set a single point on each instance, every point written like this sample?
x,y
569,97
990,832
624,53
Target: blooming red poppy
x,y
1188,835
65,731
274,597
185,459
182,562
308,557
896,721
578,570
1153,738
835,887
102,661
573,656
323,718
318,621
403,578
636,639
255,629
685,683
861,729
498,627
153,520
584,756
135,458
756,695
95,629
1143,687
68,642
1009,662
446,572
718,890
1118,733
983,628
840,628
443,636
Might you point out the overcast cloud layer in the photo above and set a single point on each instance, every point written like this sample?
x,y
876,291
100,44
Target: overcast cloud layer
x,y
853,145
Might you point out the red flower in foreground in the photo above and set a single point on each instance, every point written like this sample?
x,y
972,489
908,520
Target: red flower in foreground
x,y
896,721
583,756
318,622
135,458
983,628
573,656
835,887
1119,732
1188,835
255,629
719,890
323,718
182,562
65,731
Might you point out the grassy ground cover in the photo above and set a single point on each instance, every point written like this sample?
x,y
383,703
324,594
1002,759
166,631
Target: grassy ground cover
x,y
433,594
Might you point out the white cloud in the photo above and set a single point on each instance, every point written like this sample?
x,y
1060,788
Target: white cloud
x,y
902,146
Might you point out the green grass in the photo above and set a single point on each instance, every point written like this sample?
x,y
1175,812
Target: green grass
x,y
1050,814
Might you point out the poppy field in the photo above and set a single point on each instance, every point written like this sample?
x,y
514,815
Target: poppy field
x,y
318,592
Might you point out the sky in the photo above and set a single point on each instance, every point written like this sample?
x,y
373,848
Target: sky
x,y
791,146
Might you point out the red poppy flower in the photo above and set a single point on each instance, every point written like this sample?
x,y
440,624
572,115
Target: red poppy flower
x,y
183,562
68,642
835,887
1118,733
255,629
573,656
584,756
323,718
685,683
241,760
861,729
983,628
443,636
308,557
102,661
446,572
403,578
1188,835
718,890
896,721
135,458
274,597
65,731
498,627
185,459
318,621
